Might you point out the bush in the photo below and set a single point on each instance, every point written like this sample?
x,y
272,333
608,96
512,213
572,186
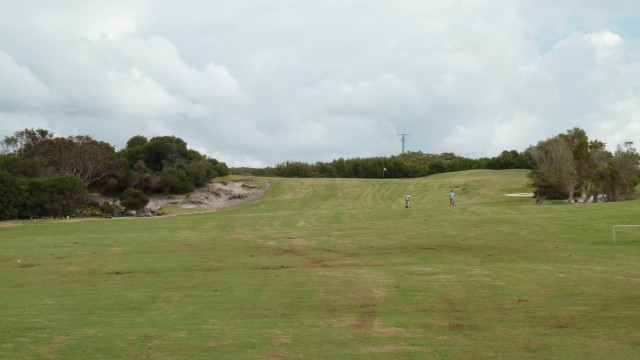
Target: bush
x,y
176,181
56,196
12,200
132,199
108,208
147,183
220,169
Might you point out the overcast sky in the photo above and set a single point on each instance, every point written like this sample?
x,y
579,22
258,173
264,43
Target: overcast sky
x,y
261,82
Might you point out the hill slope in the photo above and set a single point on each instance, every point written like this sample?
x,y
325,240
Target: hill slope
x,y
332,268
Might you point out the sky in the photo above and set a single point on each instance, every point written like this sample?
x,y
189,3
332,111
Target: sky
x,y
260,82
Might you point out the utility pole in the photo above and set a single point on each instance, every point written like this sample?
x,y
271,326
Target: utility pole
x,y
404,138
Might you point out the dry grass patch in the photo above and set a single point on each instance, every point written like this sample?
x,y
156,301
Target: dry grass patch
x,y
386,349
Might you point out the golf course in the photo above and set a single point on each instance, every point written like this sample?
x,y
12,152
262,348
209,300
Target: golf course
x,y
332,269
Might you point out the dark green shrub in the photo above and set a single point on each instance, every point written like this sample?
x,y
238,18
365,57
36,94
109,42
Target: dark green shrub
x,y
12,199
132,199
55,196
175,181
108,208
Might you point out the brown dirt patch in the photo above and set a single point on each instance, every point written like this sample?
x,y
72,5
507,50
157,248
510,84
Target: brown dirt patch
x,y
5,224
214,196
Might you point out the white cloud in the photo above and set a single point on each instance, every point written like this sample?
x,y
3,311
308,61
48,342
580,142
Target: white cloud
x,y
160,59
10,122
118,25
608,45
257,82
20,89
386,95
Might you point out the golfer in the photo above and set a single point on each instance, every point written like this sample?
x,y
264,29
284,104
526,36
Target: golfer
x,y
451,201
407,201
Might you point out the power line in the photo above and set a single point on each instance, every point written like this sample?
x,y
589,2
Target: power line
x,y
404,138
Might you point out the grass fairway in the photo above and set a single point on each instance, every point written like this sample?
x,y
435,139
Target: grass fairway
x,y
332,269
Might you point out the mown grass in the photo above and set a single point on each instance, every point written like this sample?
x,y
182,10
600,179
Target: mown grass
x,y
332,268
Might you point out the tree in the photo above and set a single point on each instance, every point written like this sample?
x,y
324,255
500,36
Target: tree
x,y
164,151
81,156
619,177
27,143
165,163
297,169
88,159
588,156
136,141
8,145
555,172
135,150
510,160
28,168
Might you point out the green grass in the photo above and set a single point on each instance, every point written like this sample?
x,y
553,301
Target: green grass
x,y
179,210
332,269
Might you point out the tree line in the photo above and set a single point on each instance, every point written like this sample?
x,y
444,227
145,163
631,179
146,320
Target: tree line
x,y
46,176
410,164
562,167
43,175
